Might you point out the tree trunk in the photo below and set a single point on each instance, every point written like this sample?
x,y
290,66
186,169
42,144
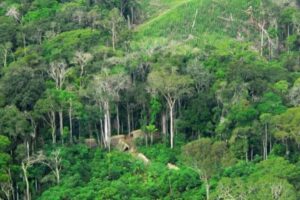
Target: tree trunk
x,y
261,41
146,139
12,185
128,119
288,33
171,126
132,120
26,181
36,184
151,138
52,123
266,143
128,22
17,193
61,125
270,143
118,120
70,122
27,148
57,175
164,123
102,132
5,58
207,187
107,126
287,152
113,37
81,74
132,15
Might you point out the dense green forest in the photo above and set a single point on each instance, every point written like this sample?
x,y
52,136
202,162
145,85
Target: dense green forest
x,y
150,99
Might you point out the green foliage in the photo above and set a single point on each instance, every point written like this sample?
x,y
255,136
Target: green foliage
x,y
13,123
65,44
155,108
226,72
271,103
41,10
243,112
281,86
287,126
161,153
206,157
270,179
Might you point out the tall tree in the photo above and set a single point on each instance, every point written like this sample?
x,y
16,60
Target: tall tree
x,y
46,109
5,50
171,86
6,185
58,72
106,90
207,158
82,59
114,23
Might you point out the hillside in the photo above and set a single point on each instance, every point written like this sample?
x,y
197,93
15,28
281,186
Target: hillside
x,y
149,99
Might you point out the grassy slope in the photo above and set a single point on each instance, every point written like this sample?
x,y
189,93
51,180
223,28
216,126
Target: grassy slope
x,y
177,20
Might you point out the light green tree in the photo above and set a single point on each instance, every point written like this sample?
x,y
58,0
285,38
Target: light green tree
x,y
206,158
171,86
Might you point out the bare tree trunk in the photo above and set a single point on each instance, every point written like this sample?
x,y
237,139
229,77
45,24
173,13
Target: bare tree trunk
x,y
12,185
18,193
70,122
81,74
132,120
266,143
57,175
288,32
151,138
102,131
26,181
207,187
128,119
107,126
171,107
164,123
13,192
261,41
118,120
113,37
146,139
5,58
277,38
61,125
132,15
53,127
270,143
287,152
53,135
36,184
27,148
128,22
